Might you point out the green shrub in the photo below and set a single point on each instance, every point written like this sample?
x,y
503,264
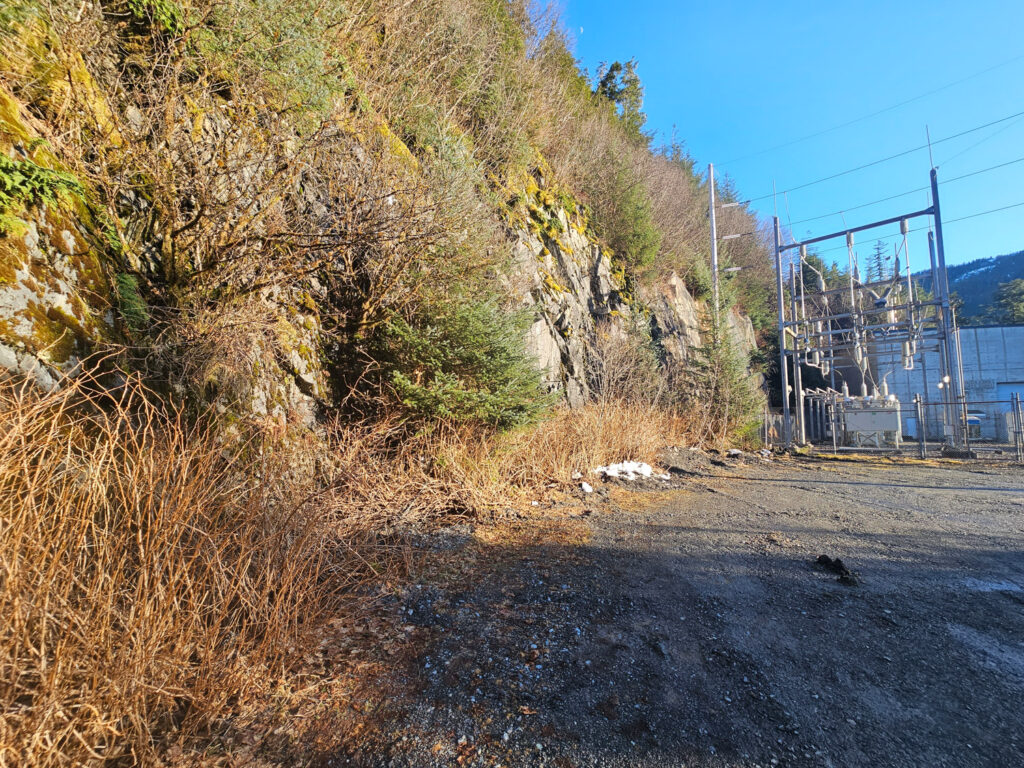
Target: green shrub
x,y
464,362
624,216
718,381
14,13
286,46
165,14
130,303
698,279
637,239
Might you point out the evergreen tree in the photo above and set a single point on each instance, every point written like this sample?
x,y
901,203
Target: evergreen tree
x,y
620,84
876,264
1009,303
720,384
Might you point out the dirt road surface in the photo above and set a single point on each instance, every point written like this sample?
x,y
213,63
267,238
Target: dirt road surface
x,y
695,628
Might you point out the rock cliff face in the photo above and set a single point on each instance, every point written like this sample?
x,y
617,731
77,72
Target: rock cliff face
x,y
572,292
65,293
675,321
575,293
58,303
67,290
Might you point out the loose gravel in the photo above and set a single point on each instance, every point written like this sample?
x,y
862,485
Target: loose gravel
x,y
698,627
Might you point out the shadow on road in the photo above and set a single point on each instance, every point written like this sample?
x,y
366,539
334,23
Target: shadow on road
x,y
666,644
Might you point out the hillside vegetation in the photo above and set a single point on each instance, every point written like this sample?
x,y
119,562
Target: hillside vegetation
x,y
980,287
257,256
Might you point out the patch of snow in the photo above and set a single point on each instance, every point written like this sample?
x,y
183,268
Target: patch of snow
x,y
587,487
973,272
628,470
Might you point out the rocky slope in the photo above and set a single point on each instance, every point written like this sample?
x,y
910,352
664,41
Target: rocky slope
x,y
61,299
69,288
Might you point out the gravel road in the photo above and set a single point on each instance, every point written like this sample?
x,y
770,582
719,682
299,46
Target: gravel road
x,y
695,628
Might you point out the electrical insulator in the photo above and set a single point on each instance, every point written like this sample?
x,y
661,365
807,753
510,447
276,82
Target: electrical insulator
x,y
908,355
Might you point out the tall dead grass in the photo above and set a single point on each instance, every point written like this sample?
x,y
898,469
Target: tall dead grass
x,y
148,581
502,469
152,582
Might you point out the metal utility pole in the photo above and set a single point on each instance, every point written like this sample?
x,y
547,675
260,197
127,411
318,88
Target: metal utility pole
x,y
944,359
714,246
801,426
922,430
953,355
783,373
1018,420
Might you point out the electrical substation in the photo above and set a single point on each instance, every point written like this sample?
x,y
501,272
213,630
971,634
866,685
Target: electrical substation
x,y
857,330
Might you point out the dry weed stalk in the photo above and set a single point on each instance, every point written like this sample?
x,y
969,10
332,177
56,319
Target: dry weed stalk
x,y
149,581
502,469
152,581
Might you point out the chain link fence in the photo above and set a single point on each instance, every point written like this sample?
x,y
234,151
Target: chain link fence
x,y
984,429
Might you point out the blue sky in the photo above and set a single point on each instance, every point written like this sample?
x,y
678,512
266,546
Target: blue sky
x,y
738,77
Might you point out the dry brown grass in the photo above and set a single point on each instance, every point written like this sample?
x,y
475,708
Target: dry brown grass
x,y
148,581
154,583
465,471
523,463
380,478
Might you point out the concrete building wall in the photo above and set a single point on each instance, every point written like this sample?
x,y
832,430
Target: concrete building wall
x,y
993,359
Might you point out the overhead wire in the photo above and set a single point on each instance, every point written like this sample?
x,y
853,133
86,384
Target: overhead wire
x,y
983,213
858,207
979,143
874,114
908,192
886,159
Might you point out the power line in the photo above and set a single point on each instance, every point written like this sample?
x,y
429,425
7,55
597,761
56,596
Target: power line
x,y
979,143
858,207
909,192
922,229
983,170
984,213
873,114
887,159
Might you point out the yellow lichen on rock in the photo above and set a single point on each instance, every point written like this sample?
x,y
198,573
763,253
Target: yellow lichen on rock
x,y
54,294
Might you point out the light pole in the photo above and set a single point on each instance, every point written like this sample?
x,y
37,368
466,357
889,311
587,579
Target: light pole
x,y
714,247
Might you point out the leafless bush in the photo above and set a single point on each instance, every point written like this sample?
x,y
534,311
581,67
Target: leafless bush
x,y
623,368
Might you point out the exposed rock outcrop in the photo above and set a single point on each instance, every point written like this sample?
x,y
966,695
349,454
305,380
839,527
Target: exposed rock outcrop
x,y
66,290
573,290
57,302
675,321
576,293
